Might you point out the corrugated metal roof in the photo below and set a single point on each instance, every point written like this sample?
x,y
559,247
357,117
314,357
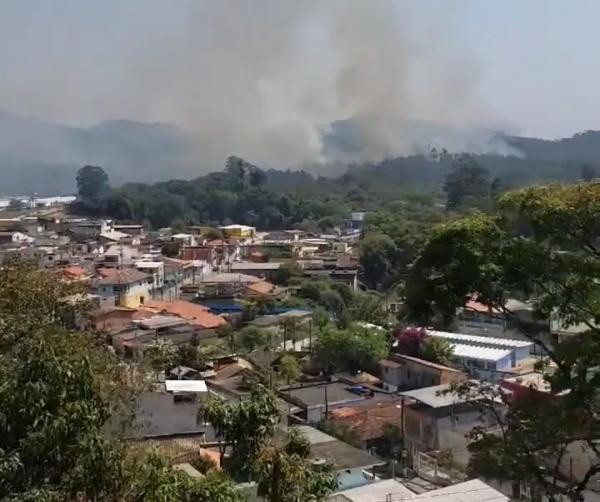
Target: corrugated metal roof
x,y
474,490
475,339
435,396
255,266
478,352
185,386
377,492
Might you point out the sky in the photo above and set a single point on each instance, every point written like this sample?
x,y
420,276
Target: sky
x,y
267,78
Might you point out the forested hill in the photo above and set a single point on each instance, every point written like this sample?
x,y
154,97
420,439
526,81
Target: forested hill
x,y
41,156
583,147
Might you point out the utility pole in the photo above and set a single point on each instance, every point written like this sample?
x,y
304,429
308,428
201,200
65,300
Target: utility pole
x,y
403,431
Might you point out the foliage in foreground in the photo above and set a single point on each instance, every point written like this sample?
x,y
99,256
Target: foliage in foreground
x,y
58,390
544,246
284,473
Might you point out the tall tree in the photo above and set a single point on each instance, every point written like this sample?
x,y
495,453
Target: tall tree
x,y
245,425
353,349
466,181
557,266
289,368
160,355
92,182
15,205
286,474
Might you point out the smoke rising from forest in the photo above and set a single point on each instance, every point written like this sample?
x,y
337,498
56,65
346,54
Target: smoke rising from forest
x,y
281,83
271,81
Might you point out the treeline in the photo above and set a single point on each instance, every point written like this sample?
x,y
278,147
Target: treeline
x,y
271,199
240,194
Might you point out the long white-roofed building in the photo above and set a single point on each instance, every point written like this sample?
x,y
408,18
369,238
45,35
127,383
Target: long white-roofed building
x,y
485,357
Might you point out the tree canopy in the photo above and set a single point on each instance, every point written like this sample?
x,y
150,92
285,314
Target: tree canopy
x,y
543,246
92,182
288,475
353,349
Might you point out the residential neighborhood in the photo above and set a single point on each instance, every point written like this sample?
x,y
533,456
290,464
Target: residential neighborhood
x,y
299,251
206,316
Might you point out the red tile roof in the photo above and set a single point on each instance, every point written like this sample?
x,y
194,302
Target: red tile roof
x,y
480,307
197,315
368,422
261,288
74,271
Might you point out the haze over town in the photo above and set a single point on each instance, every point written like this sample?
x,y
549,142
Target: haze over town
x,y
270,82
299,250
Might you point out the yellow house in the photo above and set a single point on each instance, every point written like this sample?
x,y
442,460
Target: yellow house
x,y
129,287
238,231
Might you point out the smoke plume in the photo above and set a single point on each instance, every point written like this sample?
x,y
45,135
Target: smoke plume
x,y
280,82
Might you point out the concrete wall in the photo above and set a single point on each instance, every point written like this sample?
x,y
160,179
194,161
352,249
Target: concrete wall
x,y
135,295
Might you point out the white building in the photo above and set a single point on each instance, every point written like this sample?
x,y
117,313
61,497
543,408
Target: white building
x,y
155,269
486,357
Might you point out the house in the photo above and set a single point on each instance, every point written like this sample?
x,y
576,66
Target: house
x,y
356,220
119,255
379,490
368,421
487,357
185,390
112,319
184,239
347,276
239,232
218,286
400,372
560,332
129,287
265,270
526,386
213,255
353,466
438,419
340,247
261,288
12,237
389,490
75,273
176,273
135,229
132,342
197,315
156,270
478,319
314,401
50,256
84,228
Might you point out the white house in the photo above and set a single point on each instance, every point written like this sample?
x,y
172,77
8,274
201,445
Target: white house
x,y
155,269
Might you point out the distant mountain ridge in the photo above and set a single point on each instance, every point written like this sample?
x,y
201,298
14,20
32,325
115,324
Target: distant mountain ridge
x,y
43,157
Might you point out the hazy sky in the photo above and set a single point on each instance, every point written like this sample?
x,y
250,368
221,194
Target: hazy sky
x,y
273,72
